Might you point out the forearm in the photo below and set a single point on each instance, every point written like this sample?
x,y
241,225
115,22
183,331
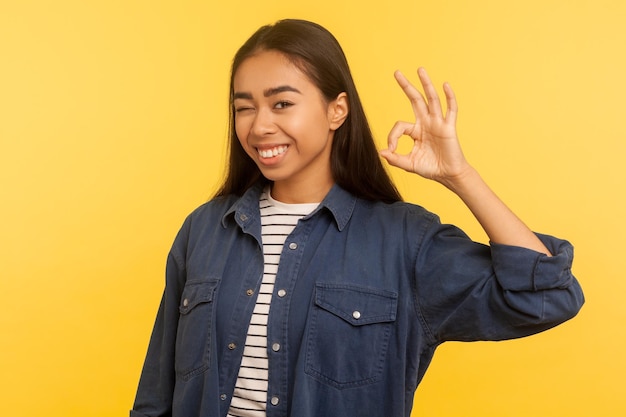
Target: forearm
x,y
499,222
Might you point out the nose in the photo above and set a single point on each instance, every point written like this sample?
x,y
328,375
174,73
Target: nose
x,y
263,123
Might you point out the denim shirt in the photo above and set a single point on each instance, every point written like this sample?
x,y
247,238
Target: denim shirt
x,y
364,294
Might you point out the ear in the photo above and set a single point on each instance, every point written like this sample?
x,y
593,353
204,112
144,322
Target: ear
x,y
338,110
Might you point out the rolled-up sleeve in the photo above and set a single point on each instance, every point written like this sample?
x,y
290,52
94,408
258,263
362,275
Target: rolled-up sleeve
x,y
468,291
545,271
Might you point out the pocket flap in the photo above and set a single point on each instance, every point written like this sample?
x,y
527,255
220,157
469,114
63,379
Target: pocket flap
x,y
196,293
357,305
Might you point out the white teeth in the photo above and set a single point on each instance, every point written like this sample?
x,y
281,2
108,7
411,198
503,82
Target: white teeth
x,y
268,153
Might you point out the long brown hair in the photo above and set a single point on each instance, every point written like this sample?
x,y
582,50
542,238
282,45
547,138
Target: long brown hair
x,y
354,159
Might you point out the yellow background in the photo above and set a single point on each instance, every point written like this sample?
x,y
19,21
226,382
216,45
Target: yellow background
x,y
112,129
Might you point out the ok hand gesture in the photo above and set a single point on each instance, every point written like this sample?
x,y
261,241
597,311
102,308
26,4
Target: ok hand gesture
x,y
436,153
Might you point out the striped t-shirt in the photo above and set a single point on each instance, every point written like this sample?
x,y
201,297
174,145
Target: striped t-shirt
x,y
277,221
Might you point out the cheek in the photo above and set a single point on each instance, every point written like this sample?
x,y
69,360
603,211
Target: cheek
x,y
311,123
241,130
241,137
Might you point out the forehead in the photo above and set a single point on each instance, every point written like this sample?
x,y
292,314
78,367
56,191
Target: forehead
x,y
269,69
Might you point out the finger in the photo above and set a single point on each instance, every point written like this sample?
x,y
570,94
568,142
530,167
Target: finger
x,y
398,130
400,161
415,97
453,109
434,104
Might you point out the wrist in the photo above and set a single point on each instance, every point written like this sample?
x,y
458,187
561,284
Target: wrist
x,y
463,182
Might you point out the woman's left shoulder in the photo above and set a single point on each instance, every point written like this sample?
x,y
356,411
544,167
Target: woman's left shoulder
x,y
403,209
399,217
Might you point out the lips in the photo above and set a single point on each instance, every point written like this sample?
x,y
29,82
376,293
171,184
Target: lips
x,y
272,152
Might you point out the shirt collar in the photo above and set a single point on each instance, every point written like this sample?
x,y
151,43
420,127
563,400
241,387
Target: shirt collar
x,y
341,205
339,202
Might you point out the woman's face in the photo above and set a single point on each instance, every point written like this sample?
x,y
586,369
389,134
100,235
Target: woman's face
x,y
286,126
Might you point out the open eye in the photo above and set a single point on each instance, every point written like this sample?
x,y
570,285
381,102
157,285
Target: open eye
x,y
283,104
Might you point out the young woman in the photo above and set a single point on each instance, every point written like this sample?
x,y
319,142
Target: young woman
x,y
306,287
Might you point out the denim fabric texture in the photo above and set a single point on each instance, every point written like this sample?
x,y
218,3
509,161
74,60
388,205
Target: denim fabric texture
x,y
369,292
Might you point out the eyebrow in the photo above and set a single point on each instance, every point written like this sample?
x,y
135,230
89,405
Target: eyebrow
x,y
267,93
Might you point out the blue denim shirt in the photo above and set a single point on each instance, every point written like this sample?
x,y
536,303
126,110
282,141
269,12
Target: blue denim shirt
x,y
370,291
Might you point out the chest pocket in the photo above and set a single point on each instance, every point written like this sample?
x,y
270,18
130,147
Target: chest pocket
x,y
193,337
348,334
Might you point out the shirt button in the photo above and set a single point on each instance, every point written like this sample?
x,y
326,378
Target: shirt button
x,y
356,315
232,346
223,397
293,246
282,293
185,302
243,217
276,347
275,400
249,291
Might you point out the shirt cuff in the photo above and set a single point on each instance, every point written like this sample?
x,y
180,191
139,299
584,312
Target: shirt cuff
x,y
521,269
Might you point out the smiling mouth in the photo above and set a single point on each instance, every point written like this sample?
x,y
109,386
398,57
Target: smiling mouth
x,y
272,152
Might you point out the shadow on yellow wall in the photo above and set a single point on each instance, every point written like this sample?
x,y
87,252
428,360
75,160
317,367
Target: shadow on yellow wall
x,y
112,127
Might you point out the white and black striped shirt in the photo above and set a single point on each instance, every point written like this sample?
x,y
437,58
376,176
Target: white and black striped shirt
x,y
277,221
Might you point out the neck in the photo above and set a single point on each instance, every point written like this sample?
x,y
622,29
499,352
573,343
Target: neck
x,y
297,193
